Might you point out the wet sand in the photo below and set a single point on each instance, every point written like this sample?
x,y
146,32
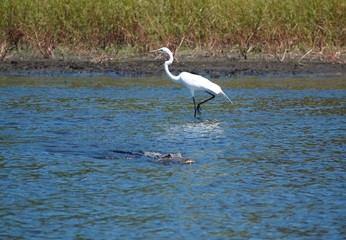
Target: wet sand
x,y
212,67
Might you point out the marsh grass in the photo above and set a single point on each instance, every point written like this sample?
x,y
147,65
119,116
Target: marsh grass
x,y
247,26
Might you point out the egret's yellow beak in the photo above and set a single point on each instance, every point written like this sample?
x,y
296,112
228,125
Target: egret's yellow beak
x,y
159,56
157,50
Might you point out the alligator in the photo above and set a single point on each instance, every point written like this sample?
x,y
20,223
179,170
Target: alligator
x,y
167,158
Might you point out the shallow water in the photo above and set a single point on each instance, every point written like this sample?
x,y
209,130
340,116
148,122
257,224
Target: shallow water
x,y
270,166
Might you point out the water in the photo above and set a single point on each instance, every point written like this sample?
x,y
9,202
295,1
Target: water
x,y
270,166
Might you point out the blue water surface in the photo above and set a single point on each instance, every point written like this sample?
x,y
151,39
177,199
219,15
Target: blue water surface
x,y
270,166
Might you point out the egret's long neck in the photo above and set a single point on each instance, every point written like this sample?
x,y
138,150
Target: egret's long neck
x,y
169,74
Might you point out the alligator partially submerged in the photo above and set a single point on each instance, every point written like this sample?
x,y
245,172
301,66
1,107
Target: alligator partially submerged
x,y
168,158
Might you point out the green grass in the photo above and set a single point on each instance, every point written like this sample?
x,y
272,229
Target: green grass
x,y
260,26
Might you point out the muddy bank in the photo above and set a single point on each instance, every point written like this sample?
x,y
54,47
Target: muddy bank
x,y
213,67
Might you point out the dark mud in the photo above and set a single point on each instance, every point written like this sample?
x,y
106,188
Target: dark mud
x,y
212,67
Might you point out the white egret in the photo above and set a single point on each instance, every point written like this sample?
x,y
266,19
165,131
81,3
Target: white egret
x,y
192,81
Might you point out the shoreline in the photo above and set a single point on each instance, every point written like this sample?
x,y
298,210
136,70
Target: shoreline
x,y
216,66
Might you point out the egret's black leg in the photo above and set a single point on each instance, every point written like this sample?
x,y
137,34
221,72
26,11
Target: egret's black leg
x,y
199,105
194,104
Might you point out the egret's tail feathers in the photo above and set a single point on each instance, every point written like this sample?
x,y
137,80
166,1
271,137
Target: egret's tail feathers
x,y
226,96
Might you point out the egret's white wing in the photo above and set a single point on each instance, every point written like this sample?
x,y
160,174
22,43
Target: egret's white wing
x,y
199,83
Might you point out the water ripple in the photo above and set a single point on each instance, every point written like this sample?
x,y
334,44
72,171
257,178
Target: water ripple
x,y
271,166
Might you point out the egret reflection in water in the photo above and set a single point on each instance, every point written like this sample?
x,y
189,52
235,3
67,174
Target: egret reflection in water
x,y
198,129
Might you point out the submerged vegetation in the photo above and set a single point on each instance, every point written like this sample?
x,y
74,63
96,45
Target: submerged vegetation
x,y
259,26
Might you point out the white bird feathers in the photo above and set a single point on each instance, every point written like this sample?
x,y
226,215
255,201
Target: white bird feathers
x,y
192,81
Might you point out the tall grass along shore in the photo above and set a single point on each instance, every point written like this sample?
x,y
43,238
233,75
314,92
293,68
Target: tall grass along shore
x,y
244,26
